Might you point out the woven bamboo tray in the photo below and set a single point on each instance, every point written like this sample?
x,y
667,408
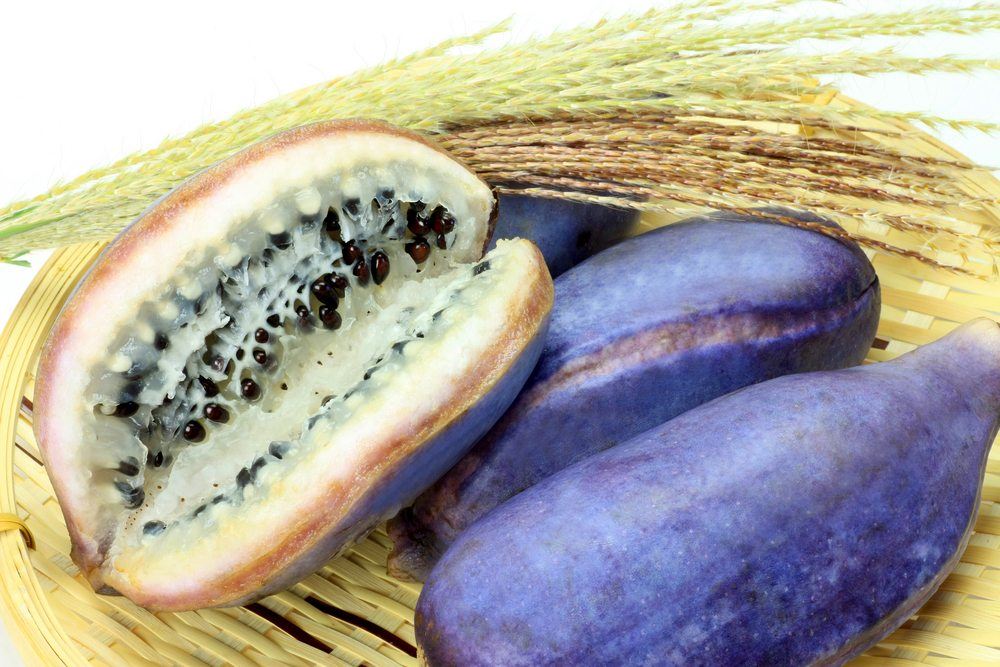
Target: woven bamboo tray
x,y
351,612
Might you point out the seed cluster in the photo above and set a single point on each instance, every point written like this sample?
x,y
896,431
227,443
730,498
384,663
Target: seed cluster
x,y
228,349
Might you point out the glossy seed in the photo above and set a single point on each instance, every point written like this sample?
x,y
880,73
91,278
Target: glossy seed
x,y
418,249
218,364
199,510
258,463
361,272
380,267
324,290
442,242
278,449
350,252
352,207
441,221
249,389
243,478
332,221
216,413
339,283
260,356
261,335
210,388
126,409
240,353
129,466
282,240
194,431
302,311
161,342
415,223
157,459
133,496
153,528
274,320
218,499
329,317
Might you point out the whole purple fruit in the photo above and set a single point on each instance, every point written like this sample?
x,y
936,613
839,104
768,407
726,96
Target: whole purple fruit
x,y
795,522
644,331
567,232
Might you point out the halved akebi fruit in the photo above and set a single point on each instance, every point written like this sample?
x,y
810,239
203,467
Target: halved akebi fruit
x,y
277,356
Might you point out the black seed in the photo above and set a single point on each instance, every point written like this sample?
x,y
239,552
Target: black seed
x,y
218,499
302,311
153,528
436,316
442,222
416,224
161,342
210,388
418,249
329,317
361,272
418,205
240,353
324,290
126,409
199,510
350,252
261,335
282,240
243,478
274,320
133,496
267,256
250,389
380,267
260,356
262,293
284,386
339,283
442,242
129,466
259,463
278,449
370,372
398,347
194,431
157,459
216,413
332,221
352,206
218,364
419,334
479,268
327,399
388,193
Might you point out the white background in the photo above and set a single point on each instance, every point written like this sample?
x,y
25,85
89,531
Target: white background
x,y
82,84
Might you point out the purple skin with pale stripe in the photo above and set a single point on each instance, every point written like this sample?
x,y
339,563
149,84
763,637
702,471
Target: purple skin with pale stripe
x,y
567,232
794,522
644,331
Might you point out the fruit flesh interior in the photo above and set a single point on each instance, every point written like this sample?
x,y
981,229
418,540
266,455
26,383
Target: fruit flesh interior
x,y
149,475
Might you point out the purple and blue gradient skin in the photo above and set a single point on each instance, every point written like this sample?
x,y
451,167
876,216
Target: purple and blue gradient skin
x,y
567,232
644,331
794,522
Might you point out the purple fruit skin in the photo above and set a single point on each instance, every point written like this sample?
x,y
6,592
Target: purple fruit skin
x,y
399,486
794,522
744,302
567,232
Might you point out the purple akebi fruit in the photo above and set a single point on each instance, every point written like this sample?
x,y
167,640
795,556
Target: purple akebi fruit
x,y
567,232
798,521
644,331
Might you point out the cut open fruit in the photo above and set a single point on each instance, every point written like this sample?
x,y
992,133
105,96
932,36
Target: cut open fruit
x,y
278,355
